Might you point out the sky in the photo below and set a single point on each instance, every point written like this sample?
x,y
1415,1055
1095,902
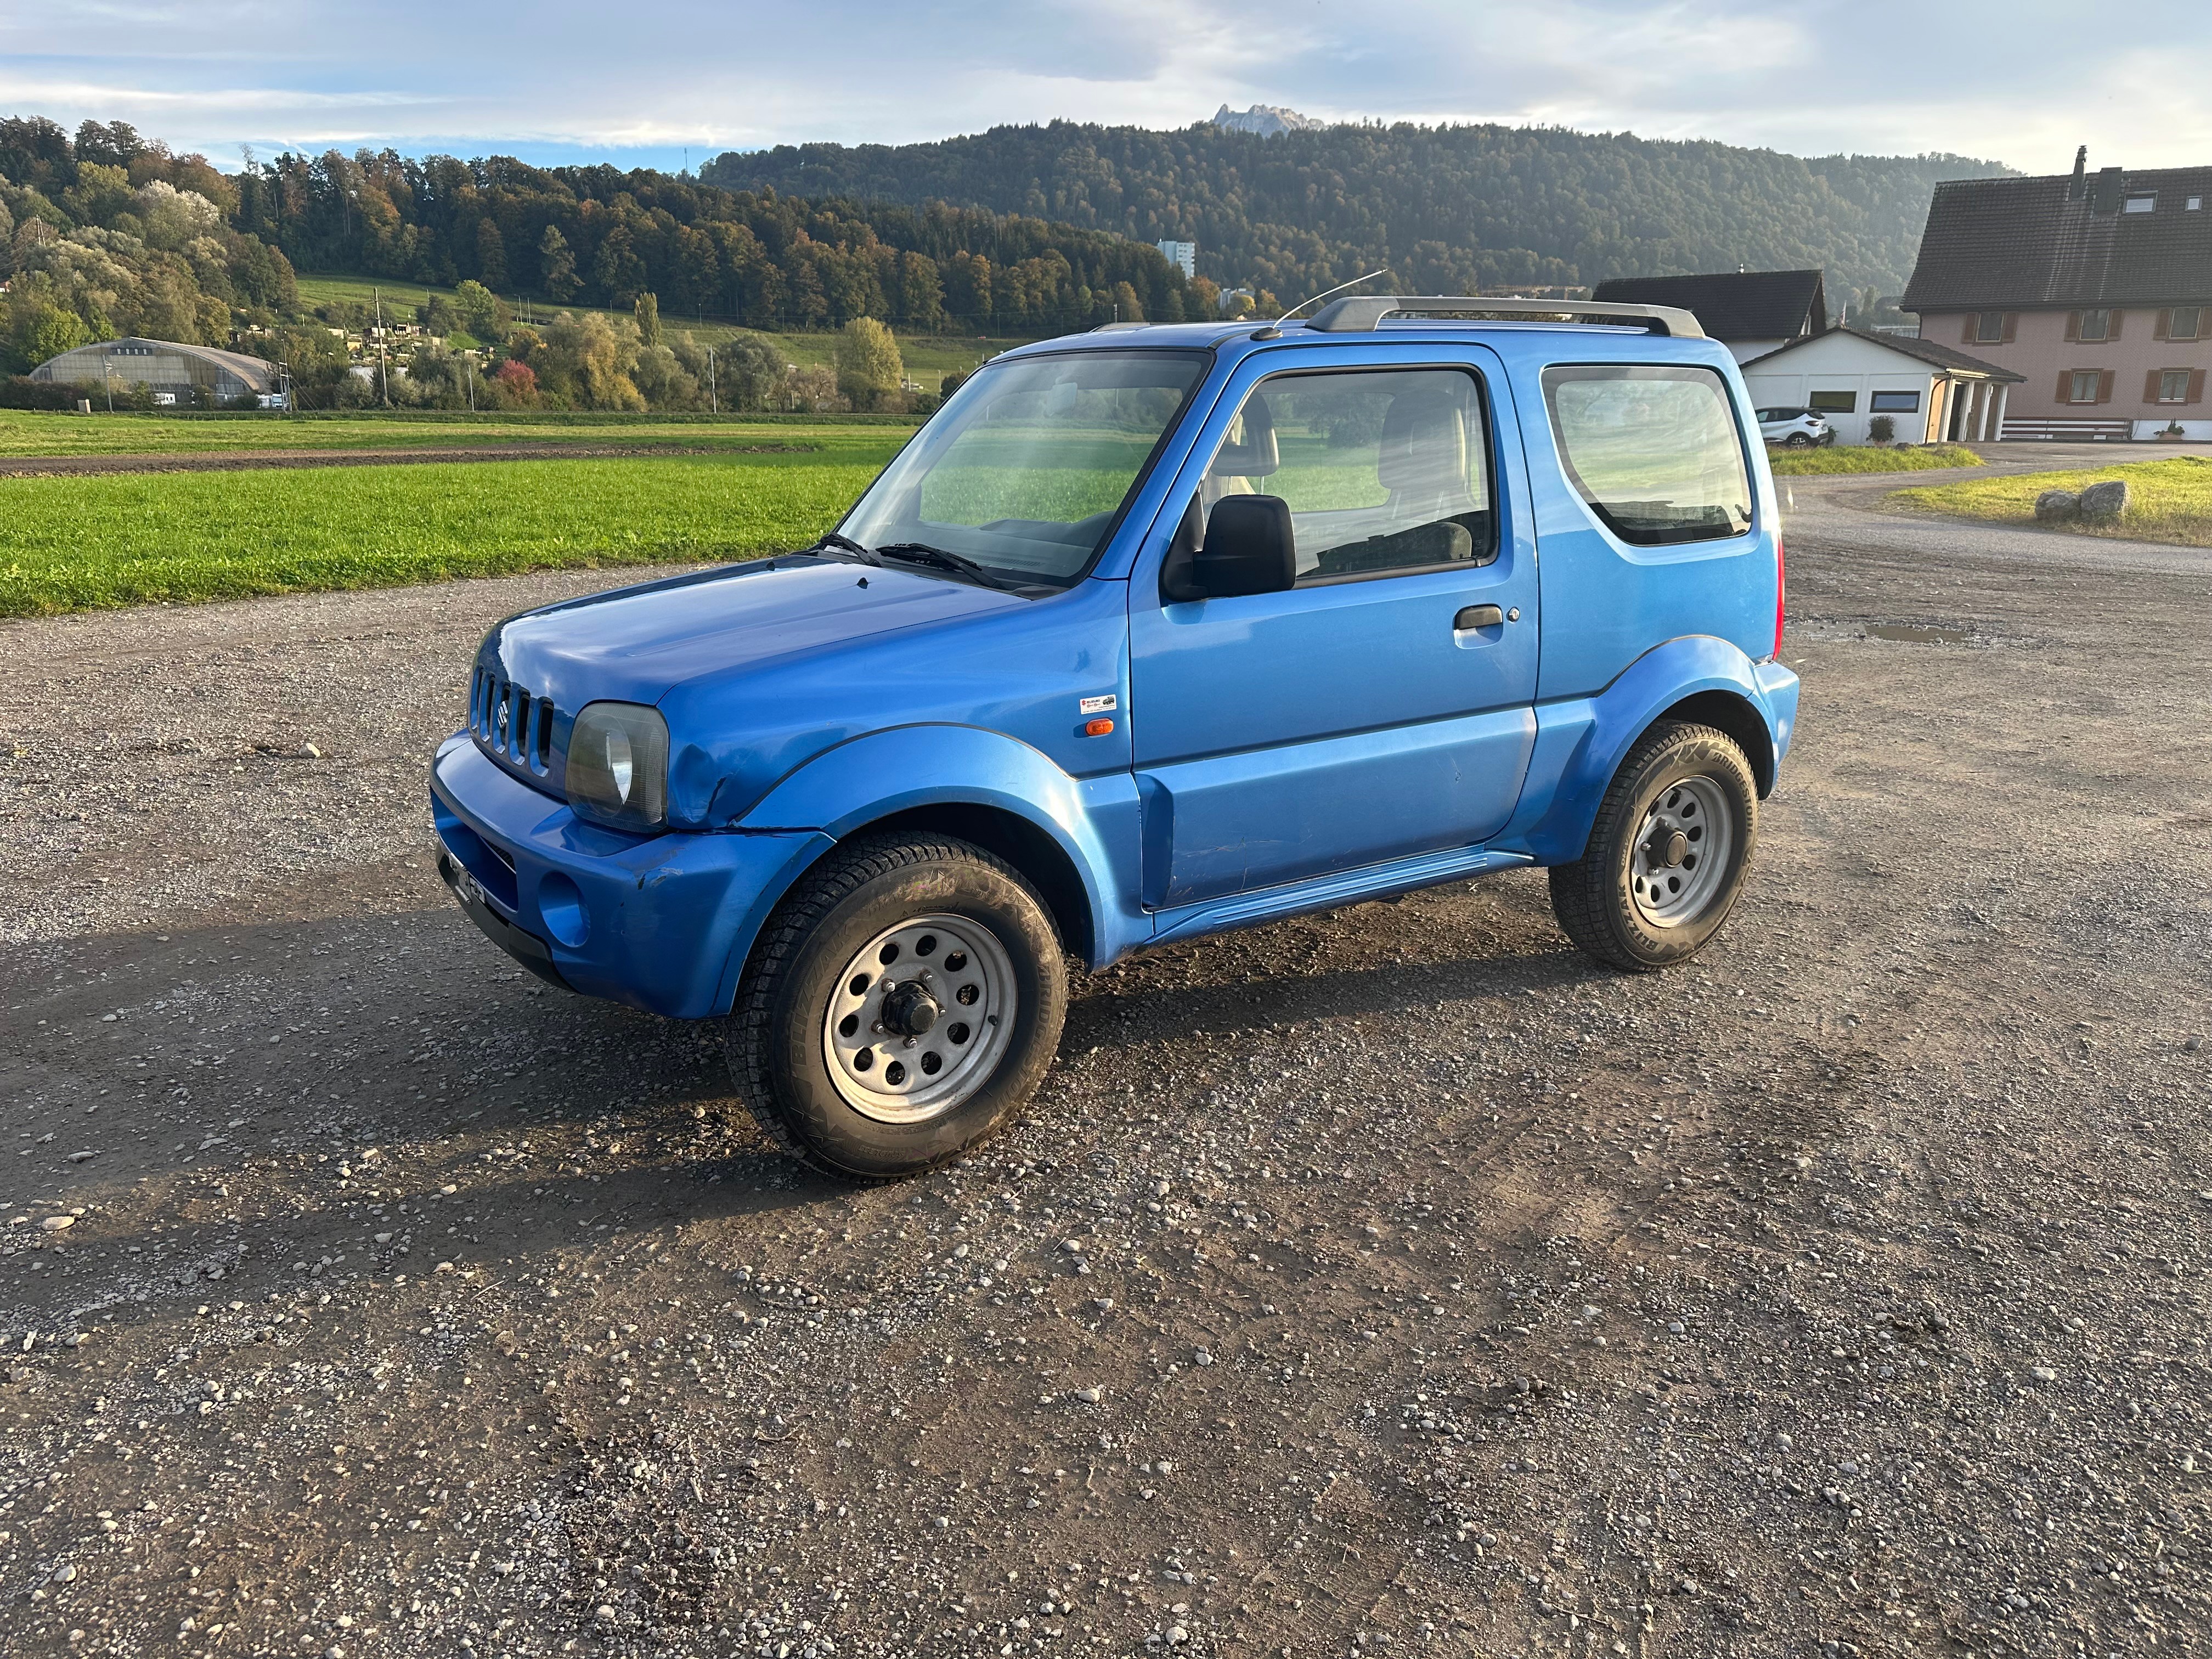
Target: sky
x,y
658,82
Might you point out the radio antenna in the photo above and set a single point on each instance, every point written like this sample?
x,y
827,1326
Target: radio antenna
x,y
1338,289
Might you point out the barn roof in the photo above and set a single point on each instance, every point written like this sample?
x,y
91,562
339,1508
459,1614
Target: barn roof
x,y
1734,305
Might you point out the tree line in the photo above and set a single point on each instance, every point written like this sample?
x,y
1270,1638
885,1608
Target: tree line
x,y
108,234
599,236
1445,208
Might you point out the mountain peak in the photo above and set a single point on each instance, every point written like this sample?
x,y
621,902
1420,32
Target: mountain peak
x,y
1266,119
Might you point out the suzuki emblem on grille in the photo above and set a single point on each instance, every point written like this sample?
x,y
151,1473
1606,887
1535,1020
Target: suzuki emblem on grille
x,y
502,717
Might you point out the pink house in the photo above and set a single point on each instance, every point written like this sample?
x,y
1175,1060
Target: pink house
x,y
2096,289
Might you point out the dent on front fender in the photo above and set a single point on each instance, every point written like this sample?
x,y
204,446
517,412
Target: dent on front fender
x,y
1580,742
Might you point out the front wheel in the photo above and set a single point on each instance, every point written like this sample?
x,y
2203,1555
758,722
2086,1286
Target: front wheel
x,y
902,1005
1668,855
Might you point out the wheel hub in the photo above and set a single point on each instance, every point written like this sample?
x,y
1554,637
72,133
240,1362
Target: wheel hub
x,y
920,1018
1680,854
909,1011
1666,850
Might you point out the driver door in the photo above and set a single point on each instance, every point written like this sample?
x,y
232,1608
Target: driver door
x,y
1379,708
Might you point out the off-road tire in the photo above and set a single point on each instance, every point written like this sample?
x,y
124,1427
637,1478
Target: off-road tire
x,y
1592,898
774,1035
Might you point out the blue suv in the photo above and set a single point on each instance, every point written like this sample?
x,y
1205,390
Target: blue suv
x,y
1149,633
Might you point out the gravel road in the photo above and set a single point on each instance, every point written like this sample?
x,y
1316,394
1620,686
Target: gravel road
x,y
1392,1281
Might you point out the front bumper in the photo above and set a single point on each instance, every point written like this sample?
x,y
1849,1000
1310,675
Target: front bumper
x,y
659,922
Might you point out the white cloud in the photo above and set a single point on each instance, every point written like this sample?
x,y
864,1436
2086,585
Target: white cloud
x,y
2023,81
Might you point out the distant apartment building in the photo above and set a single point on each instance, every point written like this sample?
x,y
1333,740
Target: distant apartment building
x,y
1751,313
2095,289
1182,255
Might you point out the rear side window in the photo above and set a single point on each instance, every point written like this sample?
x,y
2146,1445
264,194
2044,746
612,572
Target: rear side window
x,y
1383,470
1654,451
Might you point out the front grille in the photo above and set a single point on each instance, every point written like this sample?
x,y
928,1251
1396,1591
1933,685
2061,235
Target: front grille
x,y
508,720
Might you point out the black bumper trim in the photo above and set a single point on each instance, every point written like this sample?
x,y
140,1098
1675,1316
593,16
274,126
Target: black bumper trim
x,y
528,949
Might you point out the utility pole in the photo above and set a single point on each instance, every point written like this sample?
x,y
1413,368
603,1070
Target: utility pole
x,y
107,379
472,385
713,394
383,374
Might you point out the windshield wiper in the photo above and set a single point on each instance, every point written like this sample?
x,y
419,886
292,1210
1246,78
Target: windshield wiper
x,y
958,563
835,543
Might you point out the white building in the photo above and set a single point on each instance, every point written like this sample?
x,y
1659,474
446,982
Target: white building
x,y
1933,393
1183,255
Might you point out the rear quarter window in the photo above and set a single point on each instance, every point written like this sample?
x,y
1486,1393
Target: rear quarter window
x,y
1653,450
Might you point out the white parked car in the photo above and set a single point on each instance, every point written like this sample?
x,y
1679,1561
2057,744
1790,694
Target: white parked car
x,y
1798,428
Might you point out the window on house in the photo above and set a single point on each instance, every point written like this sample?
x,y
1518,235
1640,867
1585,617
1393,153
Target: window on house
x,y
2094,325
1895,403
2183,322
2141,203
2194,204
2174,385
1989,328
1835,403
2083,385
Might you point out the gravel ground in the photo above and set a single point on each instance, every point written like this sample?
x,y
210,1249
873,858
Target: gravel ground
x,y
1388,1281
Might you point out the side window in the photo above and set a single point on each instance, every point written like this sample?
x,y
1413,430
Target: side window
x,y
1383,470
1653,450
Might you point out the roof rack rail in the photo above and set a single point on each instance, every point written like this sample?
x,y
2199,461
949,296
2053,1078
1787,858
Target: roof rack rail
x,y
1362,313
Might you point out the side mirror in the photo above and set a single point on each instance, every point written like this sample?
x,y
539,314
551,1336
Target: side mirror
x,y
1249,549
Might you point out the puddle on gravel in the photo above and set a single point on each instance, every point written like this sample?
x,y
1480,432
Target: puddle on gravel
x,y
1912,635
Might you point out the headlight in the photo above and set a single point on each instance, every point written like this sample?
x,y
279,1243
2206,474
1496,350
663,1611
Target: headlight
x,y
618,765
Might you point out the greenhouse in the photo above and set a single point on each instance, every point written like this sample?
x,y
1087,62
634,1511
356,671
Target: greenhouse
x,y
181,375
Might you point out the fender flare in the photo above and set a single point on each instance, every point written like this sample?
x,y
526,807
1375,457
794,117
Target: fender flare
x,y
1580,742
843,789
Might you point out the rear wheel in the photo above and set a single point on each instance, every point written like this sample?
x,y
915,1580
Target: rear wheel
x,y
1668,855
1798,440
902,1005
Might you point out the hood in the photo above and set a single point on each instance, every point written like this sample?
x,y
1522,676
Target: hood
x,y
637,644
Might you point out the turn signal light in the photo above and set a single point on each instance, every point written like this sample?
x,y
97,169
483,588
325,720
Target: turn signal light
x,y
1097,728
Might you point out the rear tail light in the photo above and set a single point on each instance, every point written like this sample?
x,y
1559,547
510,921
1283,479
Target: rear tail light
x,y
1778,582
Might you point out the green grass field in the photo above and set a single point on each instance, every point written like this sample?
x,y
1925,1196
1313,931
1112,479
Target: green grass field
x,y
72,543
26,433
1868,457
2169,500
928,357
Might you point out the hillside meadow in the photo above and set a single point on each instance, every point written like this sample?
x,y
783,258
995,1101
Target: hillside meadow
x,y
928,357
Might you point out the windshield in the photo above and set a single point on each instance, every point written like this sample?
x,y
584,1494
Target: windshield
x,y
1026,469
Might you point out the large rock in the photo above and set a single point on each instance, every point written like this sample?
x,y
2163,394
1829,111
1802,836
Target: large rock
x,y
2104,503
2057,506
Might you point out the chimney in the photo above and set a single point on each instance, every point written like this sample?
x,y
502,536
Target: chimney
x,y
2081,167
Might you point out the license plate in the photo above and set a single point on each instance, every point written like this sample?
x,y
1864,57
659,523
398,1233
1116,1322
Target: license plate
x,y
466,888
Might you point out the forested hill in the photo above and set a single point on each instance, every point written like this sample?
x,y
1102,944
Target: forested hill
x,y
579,235
1445,208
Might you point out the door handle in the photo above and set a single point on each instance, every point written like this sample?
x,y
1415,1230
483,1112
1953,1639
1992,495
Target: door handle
x,y
1478,616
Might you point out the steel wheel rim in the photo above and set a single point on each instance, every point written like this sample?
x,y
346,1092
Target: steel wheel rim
x,y
1679,861
884,1069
